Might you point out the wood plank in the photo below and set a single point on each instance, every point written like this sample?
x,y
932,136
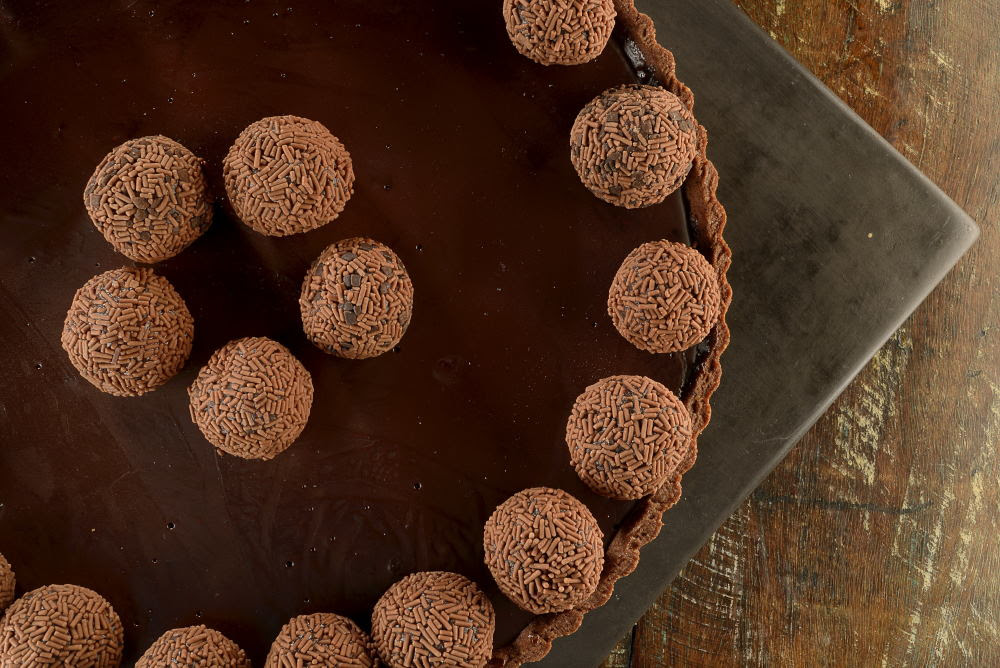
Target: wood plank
x,y
875,542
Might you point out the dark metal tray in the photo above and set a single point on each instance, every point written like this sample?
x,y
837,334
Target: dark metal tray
x,y
836,239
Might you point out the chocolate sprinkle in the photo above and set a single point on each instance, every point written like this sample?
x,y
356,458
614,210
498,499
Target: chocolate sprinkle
x,y
321,639
6,583
285,175
633,145
252,399
544,549
194,647
555,32
665,297
149,198
61,625
127,331
626,435
433,619
356,299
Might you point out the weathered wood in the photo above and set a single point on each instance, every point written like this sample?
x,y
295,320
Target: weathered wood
x,y
877,542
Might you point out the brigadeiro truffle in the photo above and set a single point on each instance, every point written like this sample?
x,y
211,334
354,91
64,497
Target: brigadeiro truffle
x,y
6,583
193,646
127,331
665,297
553,32
633,145
252,399
433,618
149,198
626,435
357,299
61,625
544,549
321,639
286,175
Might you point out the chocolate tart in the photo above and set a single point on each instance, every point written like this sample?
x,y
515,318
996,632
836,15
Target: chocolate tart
x,y
460,147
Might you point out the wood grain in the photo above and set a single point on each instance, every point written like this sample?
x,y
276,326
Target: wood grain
x,y
877,542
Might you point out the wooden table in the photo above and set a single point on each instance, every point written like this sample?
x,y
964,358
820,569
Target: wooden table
x,y
877,542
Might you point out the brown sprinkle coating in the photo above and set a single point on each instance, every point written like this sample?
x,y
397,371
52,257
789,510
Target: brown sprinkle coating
x,y
285,175
559,32
252,399
7,582
634,145
321,639
193,647
357,299
127,331
544,549
149,198
434,618
626,435
61,625
665,297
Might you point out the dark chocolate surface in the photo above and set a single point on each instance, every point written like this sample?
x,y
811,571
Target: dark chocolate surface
x,y
460,146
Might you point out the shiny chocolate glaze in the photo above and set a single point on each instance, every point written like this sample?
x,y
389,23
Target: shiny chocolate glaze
x,y
461,151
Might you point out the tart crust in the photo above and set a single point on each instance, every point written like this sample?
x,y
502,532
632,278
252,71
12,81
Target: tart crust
x,y
707,221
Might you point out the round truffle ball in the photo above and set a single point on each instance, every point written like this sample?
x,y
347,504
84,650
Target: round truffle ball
x,y
252,399
321,639
665,297
286,175
544,549
634,145
127,331
357,299
626,435
553,32
149,198
434,618
193,646
61,625
6,584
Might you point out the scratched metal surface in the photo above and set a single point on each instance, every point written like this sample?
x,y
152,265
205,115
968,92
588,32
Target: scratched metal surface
x,y
836,240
